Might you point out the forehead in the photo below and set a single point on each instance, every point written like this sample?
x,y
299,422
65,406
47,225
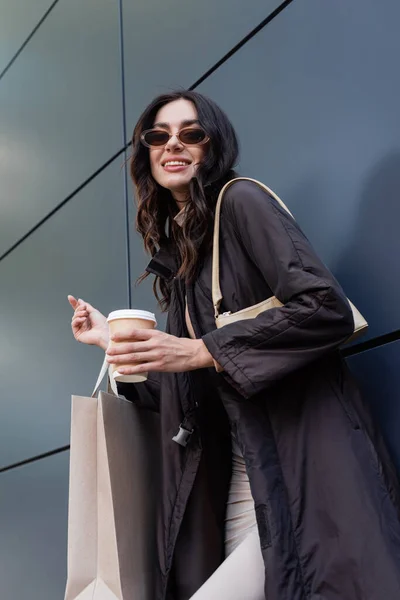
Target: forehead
x,y
174,113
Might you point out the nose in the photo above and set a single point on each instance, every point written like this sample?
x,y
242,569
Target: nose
x,y
174,143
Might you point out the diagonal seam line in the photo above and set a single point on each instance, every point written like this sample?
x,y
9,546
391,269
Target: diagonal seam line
x,y
258,28
35,458
61,204
242,42
377,342
28,39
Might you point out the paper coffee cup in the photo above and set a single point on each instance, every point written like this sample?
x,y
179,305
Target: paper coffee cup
x,y
118,322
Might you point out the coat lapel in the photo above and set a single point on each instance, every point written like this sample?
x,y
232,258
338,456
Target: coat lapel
x,y
163,264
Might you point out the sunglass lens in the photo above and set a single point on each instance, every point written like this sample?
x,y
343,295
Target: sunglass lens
x,y
156,138
192,136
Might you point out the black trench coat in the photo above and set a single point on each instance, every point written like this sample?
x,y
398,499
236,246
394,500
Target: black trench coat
x,y
325,491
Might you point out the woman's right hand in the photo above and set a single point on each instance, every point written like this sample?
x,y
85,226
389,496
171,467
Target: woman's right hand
x,y
89,326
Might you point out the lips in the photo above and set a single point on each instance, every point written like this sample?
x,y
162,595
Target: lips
x,y
175,166
176,163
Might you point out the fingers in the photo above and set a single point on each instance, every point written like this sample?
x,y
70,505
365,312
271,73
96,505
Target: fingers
x,y
142,368
79,304
124,348
88,306
78,320
80,316
73,301
131,353
77,324
135,334
133,359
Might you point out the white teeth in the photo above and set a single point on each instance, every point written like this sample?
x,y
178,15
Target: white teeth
x,y
175,163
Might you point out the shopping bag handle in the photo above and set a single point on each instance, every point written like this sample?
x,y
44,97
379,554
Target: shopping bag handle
x,y
105,369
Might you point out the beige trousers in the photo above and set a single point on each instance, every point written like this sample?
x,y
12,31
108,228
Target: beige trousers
x,y
241,575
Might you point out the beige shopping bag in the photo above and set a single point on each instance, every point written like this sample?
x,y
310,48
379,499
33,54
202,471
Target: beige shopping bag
x,y
114,465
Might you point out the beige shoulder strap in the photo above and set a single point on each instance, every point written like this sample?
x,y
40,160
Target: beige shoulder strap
x,y
216,288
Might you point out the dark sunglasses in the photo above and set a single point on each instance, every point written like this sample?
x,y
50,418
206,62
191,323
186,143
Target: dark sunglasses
x,y
189,136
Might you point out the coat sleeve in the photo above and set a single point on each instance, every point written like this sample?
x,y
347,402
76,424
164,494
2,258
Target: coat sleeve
x,y
145,394
316,317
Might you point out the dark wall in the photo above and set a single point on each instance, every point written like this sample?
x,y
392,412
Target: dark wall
x,y
314,96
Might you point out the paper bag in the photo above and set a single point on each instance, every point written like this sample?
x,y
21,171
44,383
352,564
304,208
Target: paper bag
x,y
114,486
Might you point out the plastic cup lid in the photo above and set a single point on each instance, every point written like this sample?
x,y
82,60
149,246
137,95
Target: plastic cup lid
x,y
131,313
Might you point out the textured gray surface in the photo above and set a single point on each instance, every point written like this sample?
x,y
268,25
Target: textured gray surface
x,y
82,251
378,372
172,44
60,112
17,20
33,524
317,115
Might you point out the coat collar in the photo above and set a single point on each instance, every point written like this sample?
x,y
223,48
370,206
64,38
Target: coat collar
x,y
164,263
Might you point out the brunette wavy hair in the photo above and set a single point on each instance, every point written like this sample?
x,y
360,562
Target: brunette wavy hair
x,y
156,206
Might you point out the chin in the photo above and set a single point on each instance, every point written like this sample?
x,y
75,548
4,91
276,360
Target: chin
x,y
176,182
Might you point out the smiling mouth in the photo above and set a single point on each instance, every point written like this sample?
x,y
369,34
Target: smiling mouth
x,y
176,163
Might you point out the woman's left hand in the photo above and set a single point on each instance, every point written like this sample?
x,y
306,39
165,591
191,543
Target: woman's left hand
x,y
141,350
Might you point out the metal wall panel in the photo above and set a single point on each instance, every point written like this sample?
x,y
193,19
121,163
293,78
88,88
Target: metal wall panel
x,y
81,250
60,112
172,44
314,97
378,373
33,524
17,20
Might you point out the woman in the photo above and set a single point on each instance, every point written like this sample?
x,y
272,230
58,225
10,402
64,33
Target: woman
x,y
265,404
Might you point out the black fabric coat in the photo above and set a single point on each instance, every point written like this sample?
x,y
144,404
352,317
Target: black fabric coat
x,y
325,491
